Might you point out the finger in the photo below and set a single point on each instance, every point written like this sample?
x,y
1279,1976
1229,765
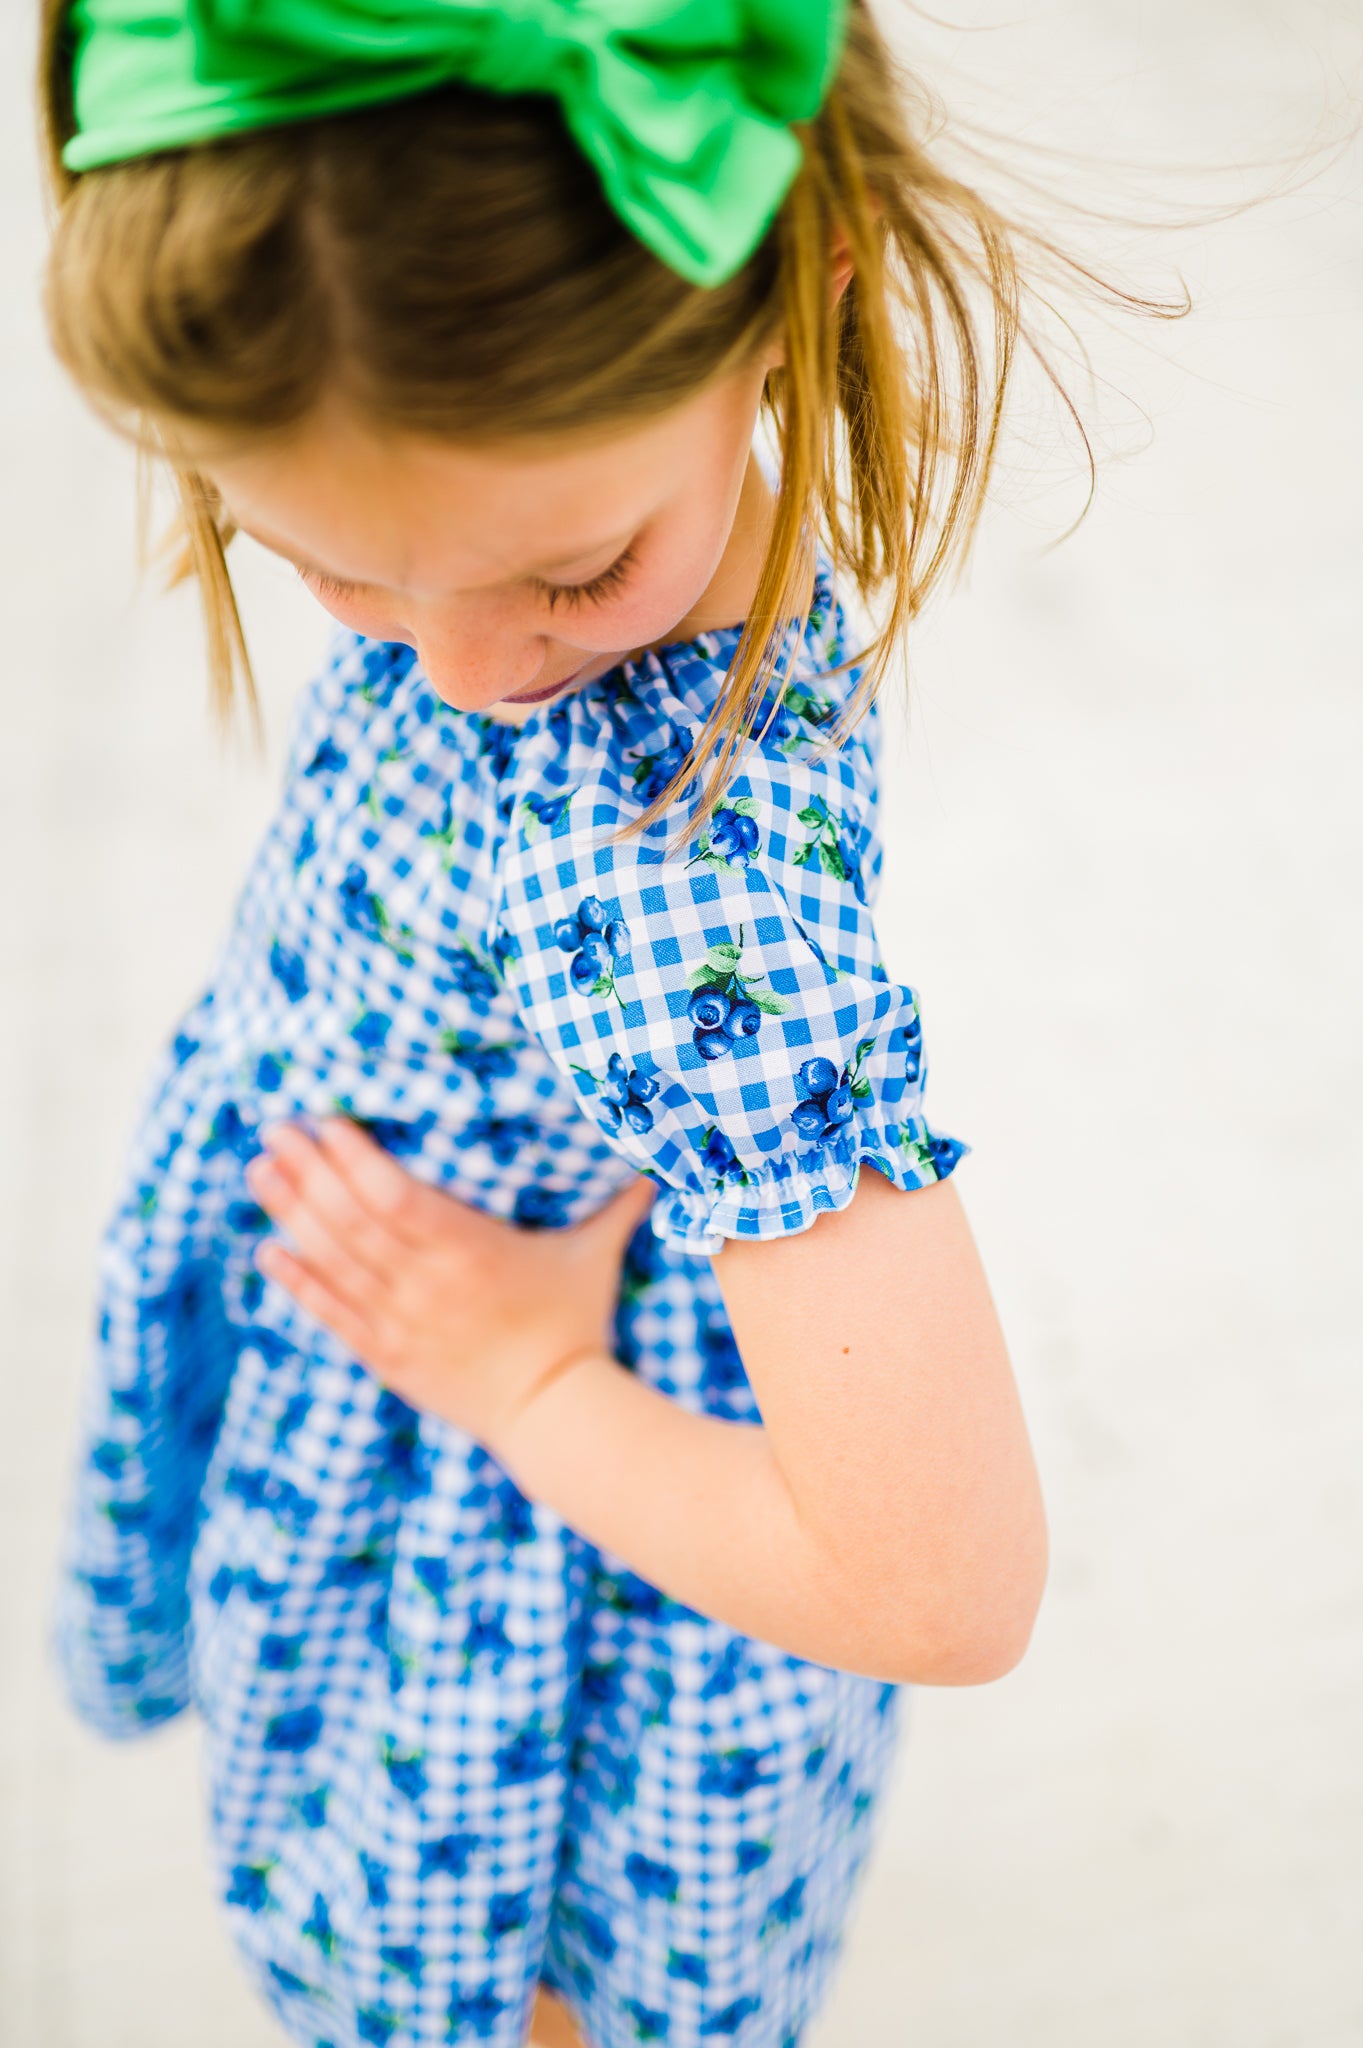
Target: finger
x,y
312,1292
325,1190
396,1199
274,1188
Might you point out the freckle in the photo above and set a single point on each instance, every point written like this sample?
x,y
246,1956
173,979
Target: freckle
x,y
845,1349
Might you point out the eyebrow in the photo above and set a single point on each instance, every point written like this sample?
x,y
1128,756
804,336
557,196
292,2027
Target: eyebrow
x,y
614,545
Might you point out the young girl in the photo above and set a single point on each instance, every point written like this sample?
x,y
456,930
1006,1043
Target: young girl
x,y
544,1536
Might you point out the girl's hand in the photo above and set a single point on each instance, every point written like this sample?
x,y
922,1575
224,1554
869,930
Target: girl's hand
x,y
457,1312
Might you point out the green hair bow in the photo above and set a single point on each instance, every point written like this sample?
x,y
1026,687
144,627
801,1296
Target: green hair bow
x,y
683,106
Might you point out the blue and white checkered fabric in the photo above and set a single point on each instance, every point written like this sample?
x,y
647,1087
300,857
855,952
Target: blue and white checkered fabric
x,y
453,1748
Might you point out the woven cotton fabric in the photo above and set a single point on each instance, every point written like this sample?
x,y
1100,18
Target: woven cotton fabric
x,y
452,1748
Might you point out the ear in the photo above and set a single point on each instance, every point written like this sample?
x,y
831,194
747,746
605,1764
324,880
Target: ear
x,y
840,265
840,276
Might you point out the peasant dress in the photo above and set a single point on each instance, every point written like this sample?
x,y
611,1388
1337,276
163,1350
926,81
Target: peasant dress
x,y
451,1748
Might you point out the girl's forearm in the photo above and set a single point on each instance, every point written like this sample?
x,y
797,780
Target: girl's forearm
x,y
695,1505
886,1518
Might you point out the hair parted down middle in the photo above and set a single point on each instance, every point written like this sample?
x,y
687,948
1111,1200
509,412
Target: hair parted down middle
x,y
449,266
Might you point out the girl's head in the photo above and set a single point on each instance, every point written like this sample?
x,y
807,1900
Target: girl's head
x,y
413,348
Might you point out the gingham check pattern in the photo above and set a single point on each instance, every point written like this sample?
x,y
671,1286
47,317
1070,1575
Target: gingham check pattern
x,y
452,1748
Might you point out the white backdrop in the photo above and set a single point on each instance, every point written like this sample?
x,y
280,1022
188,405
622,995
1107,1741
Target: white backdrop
x,y
1124,848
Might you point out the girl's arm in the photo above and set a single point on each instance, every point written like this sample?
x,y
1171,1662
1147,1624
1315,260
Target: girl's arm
x,y
885,1519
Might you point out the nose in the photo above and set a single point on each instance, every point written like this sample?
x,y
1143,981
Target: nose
x,y
473,659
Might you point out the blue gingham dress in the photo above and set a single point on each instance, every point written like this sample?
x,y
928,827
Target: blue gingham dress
x,y
452,1748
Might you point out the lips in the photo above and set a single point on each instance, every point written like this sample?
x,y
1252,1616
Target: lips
x,y
551,690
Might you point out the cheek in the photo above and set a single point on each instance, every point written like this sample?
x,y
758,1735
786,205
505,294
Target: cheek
x,y
671,579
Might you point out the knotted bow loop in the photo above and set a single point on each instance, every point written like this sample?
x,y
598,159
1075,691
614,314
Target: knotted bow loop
x,y
525,46
683,106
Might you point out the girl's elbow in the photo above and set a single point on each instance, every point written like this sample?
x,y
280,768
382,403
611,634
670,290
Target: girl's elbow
x,y
983,1638
980,1656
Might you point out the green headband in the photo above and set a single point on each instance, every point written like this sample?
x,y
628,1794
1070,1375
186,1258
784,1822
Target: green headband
x,y
683,106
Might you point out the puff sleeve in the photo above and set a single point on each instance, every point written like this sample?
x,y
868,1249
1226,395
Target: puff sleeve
x,y
721,1006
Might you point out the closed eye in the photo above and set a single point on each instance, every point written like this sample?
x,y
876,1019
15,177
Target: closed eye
x,y
592,592
598,588
334,587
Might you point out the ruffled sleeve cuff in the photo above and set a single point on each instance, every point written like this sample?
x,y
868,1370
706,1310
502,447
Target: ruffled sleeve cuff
x,y
797,1187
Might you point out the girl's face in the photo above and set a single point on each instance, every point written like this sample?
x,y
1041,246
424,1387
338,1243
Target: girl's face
x,y
515,571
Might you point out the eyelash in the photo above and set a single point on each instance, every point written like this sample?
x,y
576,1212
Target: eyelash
x,y
328,586
599,587
555,593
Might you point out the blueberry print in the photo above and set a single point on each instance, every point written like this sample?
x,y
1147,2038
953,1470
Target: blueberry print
x,y
930,1156
720,1161
352,1568
370,1029
836,845
472,974
651,1879
654,771
496,745
505,1137
366,914
404,1957
487,1064
376,2025
732,2017
541,813
487,1638
913,1050
317,1927
829,1098
540,1208
307,844
624,1093
731,838
230,1133
432,1705
434,1576
727,1006
375,1880
735,1773
474,2013
327,759
312,1806
786,1908
449,1856
294,1731
270,1071
726,1673
529,1754
407,1769
289,971
281,1653
249,1886
402,1138
507,1913
648,2025
597,942
287,1980
384,667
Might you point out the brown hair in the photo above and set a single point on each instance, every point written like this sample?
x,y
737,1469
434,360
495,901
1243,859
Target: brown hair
x,y
450,264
